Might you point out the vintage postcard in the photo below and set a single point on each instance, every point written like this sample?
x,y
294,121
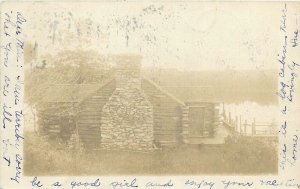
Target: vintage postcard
x,y
150,94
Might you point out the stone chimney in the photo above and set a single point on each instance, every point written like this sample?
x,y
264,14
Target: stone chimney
x,y
128,72
127,117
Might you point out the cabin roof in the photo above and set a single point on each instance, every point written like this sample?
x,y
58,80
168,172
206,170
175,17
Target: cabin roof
x,y
68,92
78,92
167,93
192,93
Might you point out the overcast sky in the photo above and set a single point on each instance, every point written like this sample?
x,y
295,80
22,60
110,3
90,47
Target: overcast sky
x,y
184,36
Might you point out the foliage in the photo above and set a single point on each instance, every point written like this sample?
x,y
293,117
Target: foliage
x,y
67,67
242,156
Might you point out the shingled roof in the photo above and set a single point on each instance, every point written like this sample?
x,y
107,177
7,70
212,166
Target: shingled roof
x,y
192,93
78,92
68,92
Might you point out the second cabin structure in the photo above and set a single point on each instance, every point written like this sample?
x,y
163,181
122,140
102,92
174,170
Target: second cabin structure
x,y
128,111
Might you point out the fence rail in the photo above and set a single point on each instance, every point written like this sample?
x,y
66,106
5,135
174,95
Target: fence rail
x,y
246,127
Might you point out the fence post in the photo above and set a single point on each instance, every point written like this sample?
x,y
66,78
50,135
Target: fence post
x,y
245,127
240,124
236,124
253,127
224,114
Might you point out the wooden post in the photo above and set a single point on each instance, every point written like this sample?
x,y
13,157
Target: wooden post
x,y
253,128
236,124
240,124
224,114
245,127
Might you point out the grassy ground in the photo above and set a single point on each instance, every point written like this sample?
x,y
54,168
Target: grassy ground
x,y
238,156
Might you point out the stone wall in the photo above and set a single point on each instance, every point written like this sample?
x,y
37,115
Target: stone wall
x,y
127,117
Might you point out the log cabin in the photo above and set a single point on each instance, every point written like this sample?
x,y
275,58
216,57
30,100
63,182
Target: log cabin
x,y
128,111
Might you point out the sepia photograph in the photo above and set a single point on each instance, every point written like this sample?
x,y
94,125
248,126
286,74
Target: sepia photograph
x,y
163,88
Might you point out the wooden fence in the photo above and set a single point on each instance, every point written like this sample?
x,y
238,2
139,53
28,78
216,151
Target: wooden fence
x,y
244,127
